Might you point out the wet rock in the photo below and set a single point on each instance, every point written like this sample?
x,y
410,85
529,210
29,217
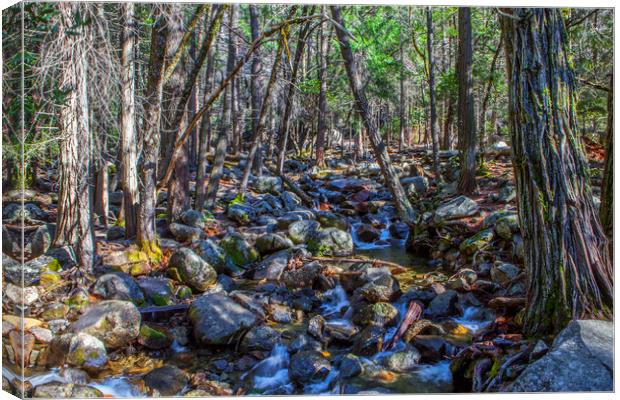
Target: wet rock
x,y
303,277
503,273
341,330
331,242
154,337
477,242
316,325
217,318
383,287
191,269
271,268
290,200
116,323
369,341
404,360
462,279
118,286
241,213
193,218
13,269
239,250
13,213
58,390
158,291
42,239
272,242
506,226
305,342
286,219
351,366
443,305
166,381
115,233
459,207
267,184
415,186
261,338
215,255
87,352
308,366
301,231
330,220
185,233
585,346
507,194
433,348
349,184
379,314
366,233
399,230
280,313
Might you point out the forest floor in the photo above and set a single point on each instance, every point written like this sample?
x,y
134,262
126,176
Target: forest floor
x,y
268,295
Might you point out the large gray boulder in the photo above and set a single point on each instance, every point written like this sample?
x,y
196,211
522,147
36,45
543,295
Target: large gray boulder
x,y
580,360
118,286
42,239
331,242
459,207
191,269
217,319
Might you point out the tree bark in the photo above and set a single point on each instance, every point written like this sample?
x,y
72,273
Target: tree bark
x,y
323,50
568,270
485,102
74,218
146,237
607,187
128,139
205,138
467,126
403,206
431,87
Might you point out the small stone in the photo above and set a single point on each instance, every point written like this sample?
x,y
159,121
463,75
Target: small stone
x,y
166,381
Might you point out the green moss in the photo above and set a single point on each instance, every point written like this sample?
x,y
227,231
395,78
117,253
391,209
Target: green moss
x,y
149,333
160,300
54,265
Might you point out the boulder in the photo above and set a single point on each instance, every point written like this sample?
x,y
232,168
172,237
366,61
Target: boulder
x,y
272,242
271,268
581,359
380,314
267,184
118,286
12,269
238,249
404,360
286,219
193,218
185,233
415,186
351,366
308,366
116,323
507,194
381,287
477,242
86,351
189,268
215,255
300,231
503,273
459,207
58,390
369,341
507,226
217,318
241,213
42,239
366,233
443,305
330,220
261,338
115,233
303,277
158,291
166,381
13,213
290,200
10,243
331,242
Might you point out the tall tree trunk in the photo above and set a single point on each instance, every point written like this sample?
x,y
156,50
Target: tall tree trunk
x,y
467,125
222,138
256,79
74,217
146,236
402,110
485,103
569,274
323,50
128,140
431,88
406,212
607,188
205,138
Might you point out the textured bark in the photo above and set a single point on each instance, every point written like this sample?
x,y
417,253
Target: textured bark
x,y
102,205
569,274
431,88
467,125
607,188
205,138
322,115
403,206
256,79
128,135
74,217
485,103
146,236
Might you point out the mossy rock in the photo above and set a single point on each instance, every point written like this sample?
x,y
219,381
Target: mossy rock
x,y
154,337
477,242
239,250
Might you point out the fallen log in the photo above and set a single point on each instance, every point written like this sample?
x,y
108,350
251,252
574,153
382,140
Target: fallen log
x,y
394,268
511,303
414,312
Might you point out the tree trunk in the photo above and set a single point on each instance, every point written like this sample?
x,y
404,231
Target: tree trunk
x,y
403,206
431,87
467,125
607,188
146,236
255,80
102,207
222,138
323,50
402,110
569,274
74,218
205,138
128,134
485,102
